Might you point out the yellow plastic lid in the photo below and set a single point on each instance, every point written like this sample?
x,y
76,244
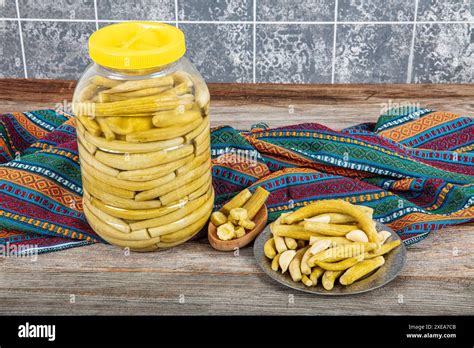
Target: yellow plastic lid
x,y
136,45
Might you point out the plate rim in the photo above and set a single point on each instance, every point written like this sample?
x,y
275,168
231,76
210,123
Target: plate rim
x,y
320,291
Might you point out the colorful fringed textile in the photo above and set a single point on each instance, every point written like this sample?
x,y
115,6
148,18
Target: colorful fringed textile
x,y
414,167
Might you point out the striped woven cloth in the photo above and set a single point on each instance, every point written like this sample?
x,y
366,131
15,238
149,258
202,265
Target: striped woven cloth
x,y
415,167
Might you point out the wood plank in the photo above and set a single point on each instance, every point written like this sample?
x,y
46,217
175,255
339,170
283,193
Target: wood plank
x,y
337,92
57,90
243,114
337,106
221,294
438,279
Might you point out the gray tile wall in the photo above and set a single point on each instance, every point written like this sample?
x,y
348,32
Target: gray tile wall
x,y
286,41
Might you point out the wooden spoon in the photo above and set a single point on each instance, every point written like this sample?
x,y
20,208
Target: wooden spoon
x,y
228,245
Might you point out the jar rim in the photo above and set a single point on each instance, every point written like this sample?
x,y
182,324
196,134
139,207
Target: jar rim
x,y
137,74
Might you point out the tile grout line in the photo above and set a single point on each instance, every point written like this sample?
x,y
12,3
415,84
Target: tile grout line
x,y
237,22
176,13
96,14
333,71
254,43
23,55
412,46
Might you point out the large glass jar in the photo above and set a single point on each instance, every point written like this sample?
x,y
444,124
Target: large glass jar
x,y
142,115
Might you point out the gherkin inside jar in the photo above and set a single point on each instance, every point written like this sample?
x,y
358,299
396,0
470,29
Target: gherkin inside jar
x,y
144,147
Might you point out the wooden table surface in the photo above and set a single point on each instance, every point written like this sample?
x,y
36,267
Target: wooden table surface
x,y
195,279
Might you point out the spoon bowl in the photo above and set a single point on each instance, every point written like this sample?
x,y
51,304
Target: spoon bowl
x,y
228,245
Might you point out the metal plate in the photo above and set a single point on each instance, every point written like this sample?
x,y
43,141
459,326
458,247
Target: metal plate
x,y
394,262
